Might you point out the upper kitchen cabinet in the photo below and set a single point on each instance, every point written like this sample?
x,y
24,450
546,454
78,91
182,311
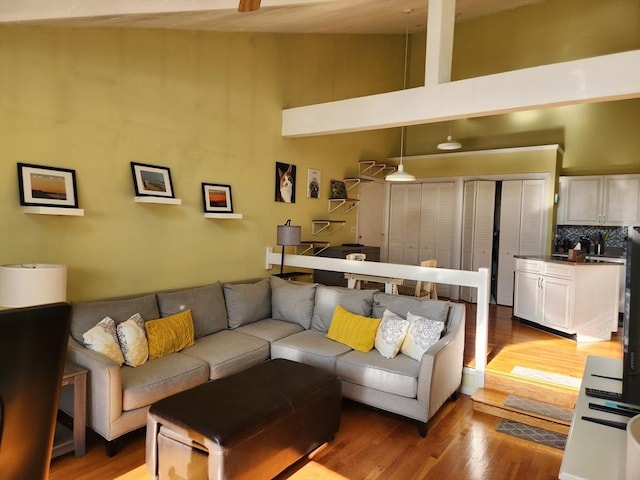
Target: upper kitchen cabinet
x,y
607,200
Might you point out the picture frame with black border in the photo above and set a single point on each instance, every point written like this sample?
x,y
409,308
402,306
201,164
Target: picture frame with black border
x,y
152,180
216,198
46,186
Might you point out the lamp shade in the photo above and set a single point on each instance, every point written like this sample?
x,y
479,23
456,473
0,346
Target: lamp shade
x,y
23,285
289,234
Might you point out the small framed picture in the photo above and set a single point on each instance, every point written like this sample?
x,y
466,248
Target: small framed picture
x,y
313,183
217,198
285,182
151,180
47,186
338,189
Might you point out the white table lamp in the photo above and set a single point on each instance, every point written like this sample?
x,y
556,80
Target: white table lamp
x,y
27,284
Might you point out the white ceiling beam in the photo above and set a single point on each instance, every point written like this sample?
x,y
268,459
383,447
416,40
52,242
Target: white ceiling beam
x,y
595,79
440,25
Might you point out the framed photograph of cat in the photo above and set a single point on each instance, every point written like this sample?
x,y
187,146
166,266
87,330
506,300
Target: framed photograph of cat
x,y
152,180
216,198
285,184
313,183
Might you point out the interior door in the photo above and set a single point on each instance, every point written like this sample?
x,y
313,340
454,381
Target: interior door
x,y
509,242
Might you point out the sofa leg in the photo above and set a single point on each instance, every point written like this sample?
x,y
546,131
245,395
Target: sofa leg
x,y
454,396
111,447
422,428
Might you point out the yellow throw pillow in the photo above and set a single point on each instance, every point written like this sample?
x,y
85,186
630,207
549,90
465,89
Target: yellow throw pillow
x,y
169,334
355,331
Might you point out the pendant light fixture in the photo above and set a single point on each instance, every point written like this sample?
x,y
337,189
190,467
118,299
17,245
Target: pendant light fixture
x,y
400,175
450,144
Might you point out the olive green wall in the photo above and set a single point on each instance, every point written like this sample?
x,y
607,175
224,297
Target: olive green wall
x,y
206,105
597,138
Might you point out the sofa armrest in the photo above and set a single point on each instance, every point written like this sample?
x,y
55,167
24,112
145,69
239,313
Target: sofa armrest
x,y
104,387
441,366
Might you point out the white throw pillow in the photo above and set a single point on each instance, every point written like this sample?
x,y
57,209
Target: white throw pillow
x,y
391,332
423,333
133,341
102,339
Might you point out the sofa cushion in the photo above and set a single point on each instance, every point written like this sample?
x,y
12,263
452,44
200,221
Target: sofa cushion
x,y
206,303
403,304
390,335
247,302
423,333
270,329
328,298
292,301
310,347
398,375
85,315
159,378
228,352
169,334
132,337
103,339
355,331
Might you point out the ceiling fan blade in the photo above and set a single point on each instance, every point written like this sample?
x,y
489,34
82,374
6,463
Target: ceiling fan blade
x,y
248,5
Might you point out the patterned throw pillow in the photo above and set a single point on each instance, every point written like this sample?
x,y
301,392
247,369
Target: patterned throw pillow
x,y
169,334
133,341
391,333
423,333
102,339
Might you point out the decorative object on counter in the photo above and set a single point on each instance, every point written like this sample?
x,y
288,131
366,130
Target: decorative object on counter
x,y
576,255
288,235
612,236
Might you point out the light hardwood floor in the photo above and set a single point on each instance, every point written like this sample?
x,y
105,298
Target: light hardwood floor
x,y
461,444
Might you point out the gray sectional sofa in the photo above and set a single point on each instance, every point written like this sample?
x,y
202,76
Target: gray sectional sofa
x,y
238,325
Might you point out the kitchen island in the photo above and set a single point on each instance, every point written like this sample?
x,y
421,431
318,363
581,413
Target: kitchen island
x,y
575,298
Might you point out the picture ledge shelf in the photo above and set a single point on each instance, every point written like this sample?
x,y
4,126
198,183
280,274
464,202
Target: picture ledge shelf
x,y
226,216
77,212
166,201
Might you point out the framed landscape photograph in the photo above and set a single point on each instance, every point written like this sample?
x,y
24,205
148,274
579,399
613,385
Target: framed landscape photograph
x,y
151,180
313,183
47,186
217,198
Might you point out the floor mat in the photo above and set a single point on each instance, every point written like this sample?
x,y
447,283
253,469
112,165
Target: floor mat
x,y
549,377
533,434
541,408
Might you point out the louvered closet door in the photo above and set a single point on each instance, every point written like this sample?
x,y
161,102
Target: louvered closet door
x,y
436,226
404,224
509,243
477,233
521,230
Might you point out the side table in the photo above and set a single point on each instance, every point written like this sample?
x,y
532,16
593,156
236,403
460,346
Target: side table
x,y
66,440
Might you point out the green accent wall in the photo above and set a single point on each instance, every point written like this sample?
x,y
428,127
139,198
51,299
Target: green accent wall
x,y
208,106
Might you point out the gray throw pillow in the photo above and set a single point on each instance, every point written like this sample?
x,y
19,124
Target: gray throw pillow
x,y
206,303
292,301
86,315
402,304
247,302
327,298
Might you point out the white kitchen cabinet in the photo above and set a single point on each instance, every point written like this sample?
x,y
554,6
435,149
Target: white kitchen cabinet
x,y
477,229
574,298
522,230
607,200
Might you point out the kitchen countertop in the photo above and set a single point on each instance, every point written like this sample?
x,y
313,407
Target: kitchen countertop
x,y
591,260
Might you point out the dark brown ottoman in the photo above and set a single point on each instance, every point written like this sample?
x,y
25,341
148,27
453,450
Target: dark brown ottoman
x,y
251,425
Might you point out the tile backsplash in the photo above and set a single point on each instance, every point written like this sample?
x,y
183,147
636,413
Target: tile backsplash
x,y
570,235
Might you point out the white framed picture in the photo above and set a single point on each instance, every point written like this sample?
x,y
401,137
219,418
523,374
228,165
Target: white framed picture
x,y
313,183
